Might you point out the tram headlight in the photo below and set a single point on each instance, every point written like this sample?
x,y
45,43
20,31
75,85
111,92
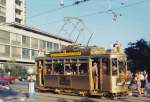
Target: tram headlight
x,y
128,82
120,82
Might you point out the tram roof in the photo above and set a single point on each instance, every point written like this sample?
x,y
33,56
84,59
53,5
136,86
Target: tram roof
x,y
81,57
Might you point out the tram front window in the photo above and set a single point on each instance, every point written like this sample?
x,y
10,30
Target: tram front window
x,y
122,66
118,66
114,66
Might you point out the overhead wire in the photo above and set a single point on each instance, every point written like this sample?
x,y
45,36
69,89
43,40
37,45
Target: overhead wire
x,y
52,22
57,9
101,12
114,9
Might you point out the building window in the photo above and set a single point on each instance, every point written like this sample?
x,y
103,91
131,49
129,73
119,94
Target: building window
x,y
49,46
61,46
56,46
18,11
42,44
3,2
34,43
16,52
18,20
4,51
18,2
2,13
25,41
2,19
34,53
26,53
16,39
4,37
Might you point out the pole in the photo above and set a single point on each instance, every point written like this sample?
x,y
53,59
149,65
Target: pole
x,y
31,87
89,39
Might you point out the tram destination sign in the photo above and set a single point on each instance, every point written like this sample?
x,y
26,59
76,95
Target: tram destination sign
x,y
62,54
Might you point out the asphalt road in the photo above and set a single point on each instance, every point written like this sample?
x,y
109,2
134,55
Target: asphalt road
x,y
51,97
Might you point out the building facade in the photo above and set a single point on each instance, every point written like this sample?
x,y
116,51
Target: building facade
x,y
22,43
12,11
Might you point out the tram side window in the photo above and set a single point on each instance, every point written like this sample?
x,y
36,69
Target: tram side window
x,y
114,66
58,68
106,66
68,69
74,69
83,69
71,69
49,69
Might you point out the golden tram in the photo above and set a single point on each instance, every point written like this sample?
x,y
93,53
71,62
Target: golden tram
x,y
83,70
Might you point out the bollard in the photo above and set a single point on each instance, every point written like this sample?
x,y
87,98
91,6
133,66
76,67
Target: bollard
x,y
31,94
31,89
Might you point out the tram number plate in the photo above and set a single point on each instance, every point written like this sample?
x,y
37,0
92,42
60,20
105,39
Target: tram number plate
x,y
64,80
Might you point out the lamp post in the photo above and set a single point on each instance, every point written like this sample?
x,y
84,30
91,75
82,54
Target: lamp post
x,y
31,88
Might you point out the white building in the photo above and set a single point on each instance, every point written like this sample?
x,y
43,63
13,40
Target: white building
x,y
12,11
22,43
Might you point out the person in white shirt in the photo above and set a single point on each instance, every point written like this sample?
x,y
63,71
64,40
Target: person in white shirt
x,y
145,81
142,82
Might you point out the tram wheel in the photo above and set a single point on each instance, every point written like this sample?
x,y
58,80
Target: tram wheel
x,y
82,93
129,93
57,91
114,96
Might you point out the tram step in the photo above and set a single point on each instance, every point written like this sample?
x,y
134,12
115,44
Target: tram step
x,y
95,93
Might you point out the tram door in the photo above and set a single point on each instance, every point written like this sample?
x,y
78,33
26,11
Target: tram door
x,y
96,73
105,74
40,73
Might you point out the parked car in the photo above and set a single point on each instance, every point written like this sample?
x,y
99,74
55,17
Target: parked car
x,y
7,94
6,77
3,82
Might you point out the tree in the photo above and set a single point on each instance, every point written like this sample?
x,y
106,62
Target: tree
x,y
138,54
15,69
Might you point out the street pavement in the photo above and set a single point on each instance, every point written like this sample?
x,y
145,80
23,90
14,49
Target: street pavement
x,y
51,97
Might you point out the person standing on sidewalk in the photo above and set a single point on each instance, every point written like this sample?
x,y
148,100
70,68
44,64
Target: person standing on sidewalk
x,y
138,82
142,82
145,81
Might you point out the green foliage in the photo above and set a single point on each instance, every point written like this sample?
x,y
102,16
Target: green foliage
x,y
1,71
138,54
15,69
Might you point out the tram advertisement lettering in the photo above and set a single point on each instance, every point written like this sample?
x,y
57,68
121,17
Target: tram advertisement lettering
x,y
64,80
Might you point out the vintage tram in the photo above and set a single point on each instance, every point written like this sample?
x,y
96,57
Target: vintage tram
x,y
83,70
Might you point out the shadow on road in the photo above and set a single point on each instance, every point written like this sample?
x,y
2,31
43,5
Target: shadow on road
x,y
82,100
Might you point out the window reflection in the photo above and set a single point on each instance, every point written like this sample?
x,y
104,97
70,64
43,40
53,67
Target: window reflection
x,y
114,66
106,66
122,66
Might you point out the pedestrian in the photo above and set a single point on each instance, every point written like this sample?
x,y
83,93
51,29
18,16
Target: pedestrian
x,y
138,82
142,82
130,77
145,81
95,75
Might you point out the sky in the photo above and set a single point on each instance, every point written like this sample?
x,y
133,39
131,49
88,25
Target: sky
x,y
132,20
